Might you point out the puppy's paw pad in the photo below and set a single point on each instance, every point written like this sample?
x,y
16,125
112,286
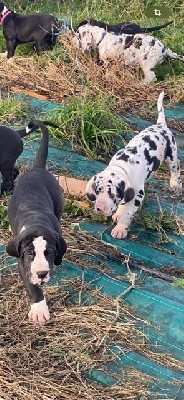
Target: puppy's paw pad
x,y
39,312
119,232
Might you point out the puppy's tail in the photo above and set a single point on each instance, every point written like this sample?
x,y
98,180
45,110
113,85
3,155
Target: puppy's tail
x,y
31,127
160,108
41,157
156,28
169,53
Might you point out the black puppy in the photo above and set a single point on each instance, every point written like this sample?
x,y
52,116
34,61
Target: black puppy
x,y
40,29
34,211
123,27
11,146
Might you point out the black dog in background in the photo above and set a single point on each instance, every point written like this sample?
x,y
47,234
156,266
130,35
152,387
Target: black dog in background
x,y
11,146
34,211
129,28
39,28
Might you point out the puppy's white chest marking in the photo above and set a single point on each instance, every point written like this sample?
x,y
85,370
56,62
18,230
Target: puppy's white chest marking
x,y
40,262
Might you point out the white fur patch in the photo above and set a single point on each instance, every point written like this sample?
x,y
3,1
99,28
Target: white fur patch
x,y
40,262
39,312
4,55
28,129
22,229
5,9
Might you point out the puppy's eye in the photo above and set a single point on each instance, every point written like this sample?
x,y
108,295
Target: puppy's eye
x,y
29,254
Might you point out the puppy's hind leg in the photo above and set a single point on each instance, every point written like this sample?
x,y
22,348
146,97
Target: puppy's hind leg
x,y
174,167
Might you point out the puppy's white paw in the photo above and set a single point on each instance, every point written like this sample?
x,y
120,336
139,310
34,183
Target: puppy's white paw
x,y
10,60
119,232
39,312
4,55
116,217
176,188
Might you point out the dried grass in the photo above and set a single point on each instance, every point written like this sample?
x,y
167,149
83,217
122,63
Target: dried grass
x,y
51,361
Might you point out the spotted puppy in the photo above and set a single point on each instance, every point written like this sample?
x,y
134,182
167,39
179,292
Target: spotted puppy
x,y
120,187
137,50
34,211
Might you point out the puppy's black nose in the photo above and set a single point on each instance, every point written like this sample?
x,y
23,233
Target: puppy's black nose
x,y
42,274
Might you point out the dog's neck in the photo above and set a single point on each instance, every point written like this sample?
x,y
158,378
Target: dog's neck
x,y
124,169
4,14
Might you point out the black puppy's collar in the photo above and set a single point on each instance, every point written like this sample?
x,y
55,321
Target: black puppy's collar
x,y
4,16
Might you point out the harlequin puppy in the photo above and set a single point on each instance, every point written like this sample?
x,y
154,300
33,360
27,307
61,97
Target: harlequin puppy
x,y
121,185
33,28
11,146
34,211
136,50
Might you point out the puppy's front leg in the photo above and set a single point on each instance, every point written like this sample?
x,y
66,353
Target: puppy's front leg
x,y
39,312
124,215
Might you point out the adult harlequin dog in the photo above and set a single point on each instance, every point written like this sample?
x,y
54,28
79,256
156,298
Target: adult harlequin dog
x,y
11,146
34,211
39,28
136,50
121,185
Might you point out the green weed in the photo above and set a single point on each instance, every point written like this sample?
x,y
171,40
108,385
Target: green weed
x,y
160,222
11,110
91,125
179,282
4,223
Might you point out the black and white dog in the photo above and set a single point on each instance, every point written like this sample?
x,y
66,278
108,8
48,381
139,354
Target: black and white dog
x,y
41,29
121,185
34,211
11,146
130,28
140,50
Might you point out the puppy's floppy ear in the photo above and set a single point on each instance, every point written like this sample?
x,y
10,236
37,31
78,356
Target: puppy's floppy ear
x,y
129,194
13,247
90,189
61,247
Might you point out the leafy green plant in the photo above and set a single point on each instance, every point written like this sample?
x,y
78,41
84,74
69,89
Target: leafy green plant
x,y
91,125
71,209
